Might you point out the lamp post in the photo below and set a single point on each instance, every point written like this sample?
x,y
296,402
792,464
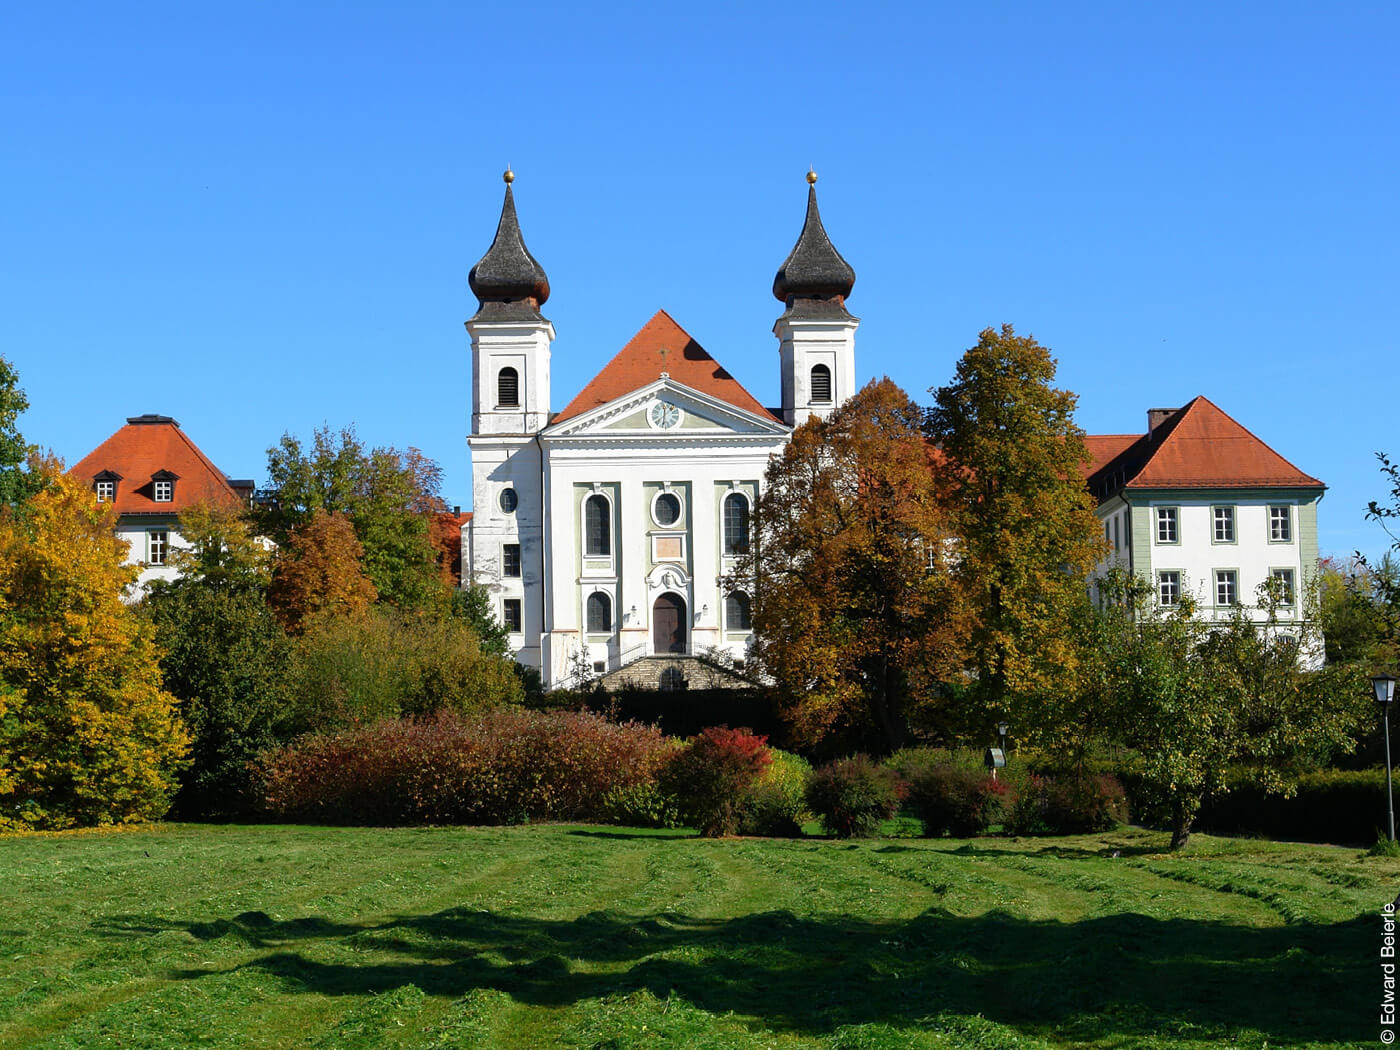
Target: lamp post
x,y
1384,687
1002,727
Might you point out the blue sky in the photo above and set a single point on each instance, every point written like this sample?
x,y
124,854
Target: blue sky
x,y
260,218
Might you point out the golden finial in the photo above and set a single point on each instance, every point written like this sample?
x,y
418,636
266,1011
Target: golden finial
x,y
812,175
509,176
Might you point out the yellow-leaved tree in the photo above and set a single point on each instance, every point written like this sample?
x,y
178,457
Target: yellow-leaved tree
x,y
87,734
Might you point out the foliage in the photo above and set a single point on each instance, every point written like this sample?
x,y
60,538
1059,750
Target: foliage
x,y
1328,805
955,800
319,573
389,663
1358,624
18,480
1028,535
1068,805
502,767
228,660
472,605
851,796
641,805
87,734
388,495
221,549
853,610
776,803
712,776
1196,698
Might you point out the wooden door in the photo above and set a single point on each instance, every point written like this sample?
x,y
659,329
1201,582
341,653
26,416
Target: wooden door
x,y
668,624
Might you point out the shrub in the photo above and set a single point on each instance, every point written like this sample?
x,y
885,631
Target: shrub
x,y
956,800
1330,805
1068,805
640,805
853,795
711,777
776,804
502,767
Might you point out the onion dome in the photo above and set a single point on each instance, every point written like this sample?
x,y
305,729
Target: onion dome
x,y
507,281
814,279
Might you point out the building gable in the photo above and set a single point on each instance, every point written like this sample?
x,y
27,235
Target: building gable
x,y
145,456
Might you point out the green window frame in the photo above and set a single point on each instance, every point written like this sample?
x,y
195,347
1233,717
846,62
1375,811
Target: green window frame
x,y
1168,521
1222,524
1280,523
1289,576
1227,588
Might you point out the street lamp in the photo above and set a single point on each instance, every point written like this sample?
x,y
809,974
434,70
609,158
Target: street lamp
x,y
1384,687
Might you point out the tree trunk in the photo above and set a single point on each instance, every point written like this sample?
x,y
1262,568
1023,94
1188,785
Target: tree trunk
x,y
1181,824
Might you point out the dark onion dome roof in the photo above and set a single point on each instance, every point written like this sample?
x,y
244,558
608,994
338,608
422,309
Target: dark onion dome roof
x,y
507,281
814,278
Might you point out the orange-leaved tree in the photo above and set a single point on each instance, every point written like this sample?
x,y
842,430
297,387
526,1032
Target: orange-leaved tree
x,y
320,572
854,613
87,734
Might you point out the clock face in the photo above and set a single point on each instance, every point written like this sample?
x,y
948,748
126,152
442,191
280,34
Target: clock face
x,y
664,415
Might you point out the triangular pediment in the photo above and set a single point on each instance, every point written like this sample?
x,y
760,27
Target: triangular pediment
x,y
664,410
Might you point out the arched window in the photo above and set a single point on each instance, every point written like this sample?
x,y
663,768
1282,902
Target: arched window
x,y
672,679
508,388
597,533
599,613
736,612
736,524
821,384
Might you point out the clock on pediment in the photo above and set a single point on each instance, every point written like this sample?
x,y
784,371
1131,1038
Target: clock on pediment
x,y
664,415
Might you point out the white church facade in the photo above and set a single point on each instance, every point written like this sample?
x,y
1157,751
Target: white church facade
x,y
609,531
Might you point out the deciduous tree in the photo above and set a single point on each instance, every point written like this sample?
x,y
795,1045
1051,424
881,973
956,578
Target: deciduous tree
x,y
87,733
17,481
853,609
319,572
1027,533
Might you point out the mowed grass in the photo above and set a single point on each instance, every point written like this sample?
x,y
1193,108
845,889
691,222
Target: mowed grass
x,y
184,935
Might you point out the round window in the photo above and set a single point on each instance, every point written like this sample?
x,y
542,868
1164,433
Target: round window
x,y
667,509
509,500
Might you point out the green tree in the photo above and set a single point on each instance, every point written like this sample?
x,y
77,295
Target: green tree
x,y
854,612
17,481
87,733
222,550
387,495
1358,623
1027,533
472,605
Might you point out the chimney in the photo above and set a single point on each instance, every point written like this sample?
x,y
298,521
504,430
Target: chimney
x,y
1157,416
456,512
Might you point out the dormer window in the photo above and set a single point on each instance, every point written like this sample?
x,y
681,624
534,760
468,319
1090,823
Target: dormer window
x,y
163,486
104,486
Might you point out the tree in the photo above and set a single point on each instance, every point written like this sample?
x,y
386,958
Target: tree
x,y
17,481
87,733
1202,702
1358,624
853,610
319,572
387,495
472,605
1027,533
222,551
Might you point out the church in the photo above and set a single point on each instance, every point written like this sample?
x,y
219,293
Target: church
x,y
608,532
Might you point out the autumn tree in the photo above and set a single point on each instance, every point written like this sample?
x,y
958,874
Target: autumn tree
x,y
222,550
87,733
853,610
17,481
1027,533
319,572
387,495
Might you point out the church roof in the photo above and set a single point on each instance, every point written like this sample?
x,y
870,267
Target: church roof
x,y
508,282
1196,447
151,448
662,346
814,279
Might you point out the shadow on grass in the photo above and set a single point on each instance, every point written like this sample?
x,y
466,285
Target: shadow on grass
x,y
1116,977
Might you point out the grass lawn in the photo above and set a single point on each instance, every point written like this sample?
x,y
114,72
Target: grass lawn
x,y
183,935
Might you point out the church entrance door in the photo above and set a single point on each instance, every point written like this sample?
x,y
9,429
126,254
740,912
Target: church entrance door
x,y
668,624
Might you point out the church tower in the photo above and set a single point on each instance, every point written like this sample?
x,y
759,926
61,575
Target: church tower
x,y
504,541
816,334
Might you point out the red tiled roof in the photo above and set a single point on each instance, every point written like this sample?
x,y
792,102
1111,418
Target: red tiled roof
x,y
140,450
1198,447
642,361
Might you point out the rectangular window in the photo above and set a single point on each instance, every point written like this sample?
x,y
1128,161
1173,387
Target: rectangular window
x,y
510,560
1168,588
510,614
1166,525
157,547
164,491
1115,532
1224,518
1285,584
106,491
1281,524
1226,588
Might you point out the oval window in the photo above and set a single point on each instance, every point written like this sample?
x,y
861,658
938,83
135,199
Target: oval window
x,y
667,509
509,500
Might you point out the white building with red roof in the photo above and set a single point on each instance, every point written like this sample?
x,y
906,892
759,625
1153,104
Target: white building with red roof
x,y
152,472
1199,506
606,531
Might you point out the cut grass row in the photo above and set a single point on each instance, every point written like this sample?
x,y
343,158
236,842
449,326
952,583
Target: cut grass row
x,y
579,936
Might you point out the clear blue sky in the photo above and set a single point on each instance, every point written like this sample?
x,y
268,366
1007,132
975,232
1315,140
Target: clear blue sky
x,y
259,218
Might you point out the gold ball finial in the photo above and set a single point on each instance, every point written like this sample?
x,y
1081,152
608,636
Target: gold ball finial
x,y
509,176
812,176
